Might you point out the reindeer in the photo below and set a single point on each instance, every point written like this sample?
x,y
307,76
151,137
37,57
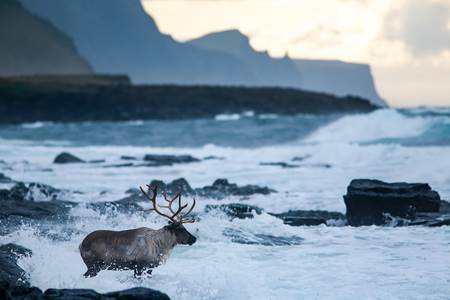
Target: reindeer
x,y
140,249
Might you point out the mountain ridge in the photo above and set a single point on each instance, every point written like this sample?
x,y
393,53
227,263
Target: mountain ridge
x,y
329,76
32,45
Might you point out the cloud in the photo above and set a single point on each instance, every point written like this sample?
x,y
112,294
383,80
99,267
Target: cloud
x,y
422,25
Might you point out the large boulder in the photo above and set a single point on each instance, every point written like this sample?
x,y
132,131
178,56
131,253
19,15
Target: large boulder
x,y
10,273
308,217
368,201
67,158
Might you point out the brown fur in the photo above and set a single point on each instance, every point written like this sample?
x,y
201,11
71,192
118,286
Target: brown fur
x,y
138,249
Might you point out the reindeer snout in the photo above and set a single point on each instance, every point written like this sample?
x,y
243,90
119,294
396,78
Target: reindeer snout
x,y
192,240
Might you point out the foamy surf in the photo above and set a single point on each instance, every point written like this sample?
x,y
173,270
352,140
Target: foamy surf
x,y
319,262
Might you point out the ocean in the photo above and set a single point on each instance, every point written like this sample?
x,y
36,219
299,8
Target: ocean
x,y
323,262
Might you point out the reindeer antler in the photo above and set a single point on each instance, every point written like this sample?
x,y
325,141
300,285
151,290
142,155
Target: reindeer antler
x,y
176,216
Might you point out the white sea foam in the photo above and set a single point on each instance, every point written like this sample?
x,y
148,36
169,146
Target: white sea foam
x,y
36,125
377,125
331,262
228,117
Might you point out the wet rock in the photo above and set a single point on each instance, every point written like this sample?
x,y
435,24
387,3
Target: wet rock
x,y
66,158
236,210
179,185
20,204
96,161
241,237
128,205
126,157
301,158
168,160
279,164
368,201
219,189
10,273
5,179
125,165
444,207
33,192
212,157
138,293
222,188
21,293
308,217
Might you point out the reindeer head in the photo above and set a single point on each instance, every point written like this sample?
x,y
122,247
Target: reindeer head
x,y
177,219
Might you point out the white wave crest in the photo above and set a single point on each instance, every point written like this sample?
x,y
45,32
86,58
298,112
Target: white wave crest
x,y
380,124
36,125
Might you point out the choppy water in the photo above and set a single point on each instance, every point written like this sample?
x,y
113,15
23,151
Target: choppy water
x,y
330,263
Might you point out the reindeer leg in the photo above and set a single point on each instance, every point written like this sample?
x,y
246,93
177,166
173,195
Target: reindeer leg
x,y
138,270
91,272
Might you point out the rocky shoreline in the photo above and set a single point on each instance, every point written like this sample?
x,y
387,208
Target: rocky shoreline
x,y
368,202
64,100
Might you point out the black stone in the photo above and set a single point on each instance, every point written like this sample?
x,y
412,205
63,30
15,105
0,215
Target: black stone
x,y
126,157
236,210
368,201
179,185
308,217
8,292
5,179
168,160
222,188
10,273
279,164
66,158
301,158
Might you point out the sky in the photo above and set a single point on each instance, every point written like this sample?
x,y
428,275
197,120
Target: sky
x,y
406,42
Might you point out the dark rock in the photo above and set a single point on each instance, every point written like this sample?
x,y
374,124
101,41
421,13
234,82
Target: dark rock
x,y
125,157
126,205
279,164
325,166
125,165
138,293
368,201
10,273
240,237
222,188
212,157
300,158
8,292
66,158
96,161
33,192
17,205
179,185
236,210
168,160
5,179
444,207
308,217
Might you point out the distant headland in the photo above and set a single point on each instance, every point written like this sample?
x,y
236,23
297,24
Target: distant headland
x,y
74,98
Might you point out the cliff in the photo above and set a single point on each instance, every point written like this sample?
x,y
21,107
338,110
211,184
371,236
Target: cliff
x,y
31,45
334,77
119,37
